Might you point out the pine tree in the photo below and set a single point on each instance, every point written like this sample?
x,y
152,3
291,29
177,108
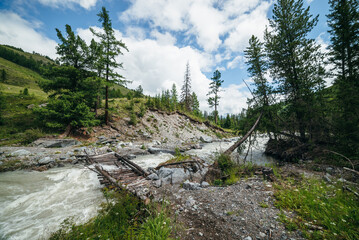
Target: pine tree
x,y
73,50
71,86
195,104
257,68
174,97
295,60
111,49
343,21
214,87
186,89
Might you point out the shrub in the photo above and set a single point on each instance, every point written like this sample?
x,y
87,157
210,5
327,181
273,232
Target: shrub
x,y
224,162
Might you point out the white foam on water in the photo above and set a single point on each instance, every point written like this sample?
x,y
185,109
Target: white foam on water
x,y
34,204
152,160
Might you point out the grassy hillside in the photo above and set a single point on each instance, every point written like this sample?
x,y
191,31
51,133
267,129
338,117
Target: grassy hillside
x,y
35,56
18,75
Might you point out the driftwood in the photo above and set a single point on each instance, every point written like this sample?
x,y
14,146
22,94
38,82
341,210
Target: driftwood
x,y
177,163
339,154
132,165
352,170
350,190
240,141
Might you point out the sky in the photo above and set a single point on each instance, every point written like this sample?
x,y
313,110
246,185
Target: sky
x,y
162,36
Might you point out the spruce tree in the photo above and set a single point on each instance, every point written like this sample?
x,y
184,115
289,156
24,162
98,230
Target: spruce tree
x,y
174,97
295,60
111,49
214,87
71,86
262,92
195,104
343,21
186,89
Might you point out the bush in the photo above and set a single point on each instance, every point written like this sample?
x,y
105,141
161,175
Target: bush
x,y
133,118
225,163
31,135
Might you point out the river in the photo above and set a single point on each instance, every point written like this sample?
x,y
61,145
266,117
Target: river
x,y
34,204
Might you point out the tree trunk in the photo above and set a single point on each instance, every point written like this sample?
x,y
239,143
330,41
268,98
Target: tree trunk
x,y
240,141
106,106
67,131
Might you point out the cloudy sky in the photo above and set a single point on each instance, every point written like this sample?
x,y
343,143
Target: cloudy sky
x,y
161,35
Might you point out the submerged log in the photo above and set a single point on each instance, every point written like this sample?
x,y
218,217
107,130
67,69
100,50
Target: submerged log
x,y
244,138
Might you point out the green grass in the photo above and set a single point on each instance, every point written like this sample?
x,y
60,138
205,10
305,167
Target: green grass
x,y
124,217
35,56
317,203
20,124
19,76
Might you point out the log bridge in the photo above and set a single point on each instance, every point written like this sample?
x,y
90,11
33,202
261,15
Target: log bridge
x,y
116,171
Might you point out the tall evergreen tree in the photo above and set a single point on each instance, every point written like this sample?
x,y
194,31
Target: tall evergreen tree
x,y
214,87
186,89
295,60
257,68
111,49
195,104
174,97
72,50
343,21
72,87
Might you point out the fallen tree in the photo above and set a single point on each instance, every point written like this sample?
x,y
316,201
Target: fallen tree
x,y
244,138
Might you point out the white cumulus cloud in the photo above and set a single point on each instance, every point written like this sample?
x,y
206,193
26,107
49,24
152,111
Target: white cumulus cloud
x,y
87,4
16,31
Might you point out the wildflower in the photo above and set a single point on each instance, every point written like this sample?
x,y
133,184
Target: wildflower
x,y
332,223
344,220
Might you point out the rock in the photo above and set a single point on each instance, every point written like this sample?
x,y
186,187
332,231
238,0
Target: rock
x,y
152,176
46,160
167,180
21,152
55,143
247,238
206,139
205,184
191,186
262,235
153,150
30,106
146,135
179,175
164,172
131,156
329,170
190,202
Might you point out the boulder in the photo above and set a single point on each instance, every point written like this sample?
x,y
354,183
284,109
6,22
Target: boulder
x,y
165,172
206,139
21,152
46,160
179,175
205,184
152,176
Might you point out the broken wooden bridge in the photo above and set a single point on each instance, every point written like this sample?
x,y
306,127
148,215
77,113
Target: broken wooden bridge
x,y
118,171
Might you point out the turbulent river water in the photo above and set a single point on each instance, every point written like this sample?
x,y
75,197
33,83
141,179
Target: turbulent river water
x,y
34,204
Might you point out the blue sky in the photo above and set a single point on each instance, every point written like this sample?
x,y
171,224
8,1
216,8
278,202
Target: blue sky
x,y
162,35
